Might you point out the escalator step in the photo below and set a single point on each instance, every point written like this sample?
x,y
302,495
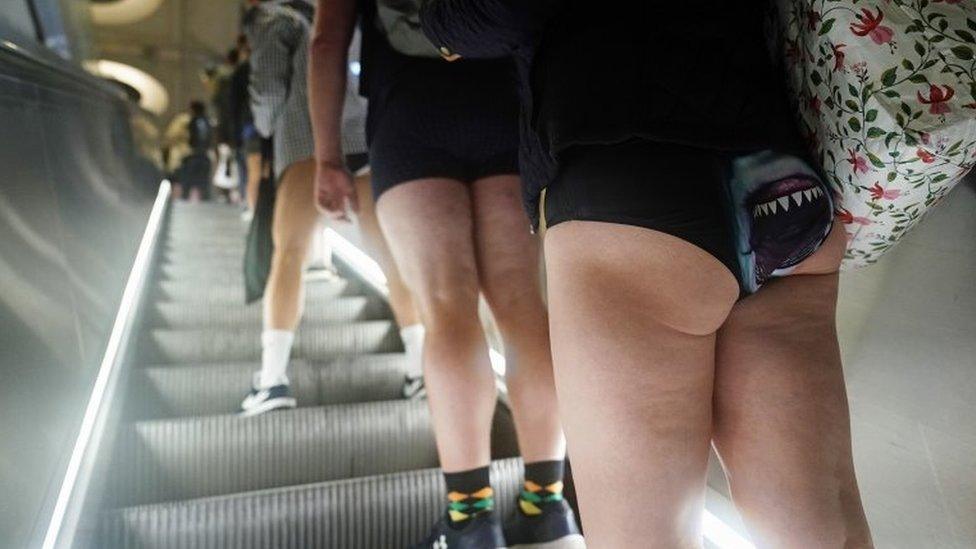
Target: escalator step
x,y
232,291
170,346
180,391
380,512
165,460
223,315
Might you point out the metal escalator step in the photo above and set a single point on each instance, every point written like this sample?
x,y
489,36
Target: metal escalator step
x,y
380,512
181,391
328,341
224,239
203,272
223,315
202,227
232,290
235,249
201,256
166,460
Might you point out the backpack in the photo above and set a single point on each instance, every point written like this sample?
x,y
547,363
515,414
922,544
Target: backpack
x,y
201,134
399,21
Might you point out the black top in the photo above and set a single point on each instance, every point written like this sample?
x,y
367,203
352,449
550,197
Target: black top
x,y
696,73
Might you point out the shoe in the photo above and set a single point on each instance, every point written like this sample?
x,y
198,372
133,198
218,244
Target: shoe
x,y
482,531
555,528
414,388
259,401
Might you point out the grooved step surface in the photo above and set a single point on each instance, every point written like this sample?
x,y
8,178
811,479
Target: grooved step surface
x,y
382,512
232,291
226,315
300,478
166,460
325,342
172,391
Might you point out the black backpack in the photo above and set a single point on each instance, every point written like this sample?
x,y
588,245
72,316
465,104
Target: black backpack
x,y
201,134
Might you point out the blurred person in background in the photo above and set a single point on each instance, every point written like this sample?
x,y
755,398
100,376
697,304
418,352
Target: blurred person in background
x,y
190,140
278,33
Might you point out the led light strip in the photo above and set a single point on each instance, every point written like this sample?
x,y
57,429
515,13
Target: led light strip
x,y
108,369
714,529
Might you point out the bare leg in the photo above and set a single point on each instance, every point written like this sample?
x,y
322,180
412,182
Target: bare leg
x,y
508,265
400,300
429,227
781,418
633,345
294,220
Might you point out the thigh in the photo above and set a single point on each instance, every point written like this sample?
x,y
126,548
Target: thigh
x,y
633,353
428,225
508,253
295,215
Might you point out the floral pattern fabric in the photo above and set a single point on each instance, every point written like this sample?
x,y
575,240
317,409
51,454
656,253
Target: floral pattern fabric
x,y
887,101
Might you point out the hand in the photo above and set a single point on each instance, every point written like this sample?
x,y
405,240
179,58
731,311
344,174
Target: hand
x,y
335,193
447,54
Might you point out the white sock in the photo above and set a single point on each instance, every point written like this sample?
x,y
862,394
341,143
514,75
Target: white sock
x,y
275,351
413,344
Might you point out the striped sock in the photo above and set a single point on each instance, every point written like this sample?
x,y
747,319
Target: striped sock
x,y
469,494
543,485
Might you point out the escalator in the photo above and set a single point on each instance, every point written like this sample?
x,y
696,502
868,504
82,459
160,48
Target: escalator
x,y
353,466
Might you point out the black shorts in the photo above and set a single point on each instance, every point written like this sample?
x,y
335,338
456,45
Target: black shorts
x,y
689,193
356,162
463,130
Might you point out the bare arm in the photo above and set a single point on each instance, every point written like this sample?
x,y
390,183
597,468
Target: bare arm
x,y
327,65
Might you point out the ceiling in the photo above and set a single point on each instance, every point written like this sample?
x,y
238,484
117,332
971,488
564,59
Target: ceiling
x,y
174,44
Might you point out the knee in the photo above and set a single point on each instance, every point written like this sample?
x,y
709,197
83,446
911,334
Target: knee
x,y
511,302
447,304
290,250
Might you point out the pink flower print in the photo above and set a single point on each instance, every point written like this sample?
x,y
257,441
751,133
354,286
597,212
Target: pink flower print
x,y
869,24
925,156
839,56
937,99
859,163
814,104
848,218
878,192
813,20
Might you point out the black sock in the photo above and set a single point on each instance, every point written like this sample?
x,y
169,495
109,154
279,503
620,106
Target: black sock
x,y
469,493
543,485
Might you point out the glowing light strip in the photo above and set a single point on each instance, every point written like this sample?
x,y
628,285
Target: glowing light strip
x,y
714,529
721,534
110,361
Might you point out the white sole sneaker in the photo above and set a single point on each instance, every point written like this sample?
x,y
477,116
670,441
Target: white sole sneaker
x,y
270,405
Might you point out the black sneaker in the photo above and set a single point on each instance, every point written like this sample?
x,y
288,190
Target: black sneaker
x,y
259,401
482,531
555,528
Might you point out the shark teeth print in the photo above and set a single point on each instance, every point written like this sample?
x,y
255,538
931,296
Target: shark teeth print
x,y
783,203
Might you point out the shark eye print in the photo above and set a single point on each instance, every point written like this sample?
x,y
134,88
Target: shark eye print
x,y
782,211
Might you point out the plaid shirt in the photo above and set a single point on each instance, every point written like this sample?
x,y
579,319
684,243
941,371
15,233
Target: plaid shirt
x,y
279,38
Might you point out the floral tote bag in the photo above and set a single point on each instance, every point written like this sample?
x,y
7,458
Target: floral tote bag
x,y
887,101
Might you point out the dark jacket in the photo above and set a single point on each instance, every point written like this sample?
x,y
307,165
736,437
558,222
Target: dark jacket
x,y
695,72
